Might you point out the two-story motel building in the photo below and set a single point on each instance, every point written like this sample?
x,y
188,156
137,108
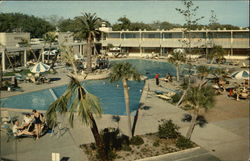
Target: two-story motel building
x,y
139,43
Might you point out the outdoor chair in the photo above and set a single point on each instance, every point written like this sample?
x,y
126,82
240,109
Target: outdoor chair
x,y
20,77
5,117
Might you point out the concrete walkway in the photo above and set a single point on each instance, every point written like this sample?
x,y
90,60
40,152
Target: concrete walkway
x,y
227,140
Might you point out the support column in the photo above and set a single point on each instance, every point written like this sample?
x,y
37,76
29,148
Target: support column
x,y
80,51
232,41
42,55
140,50
3,60
25,58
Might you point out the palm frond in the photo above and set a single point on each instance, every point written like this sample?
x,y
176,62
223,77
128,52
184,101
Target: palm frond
x,y
75,100
124,70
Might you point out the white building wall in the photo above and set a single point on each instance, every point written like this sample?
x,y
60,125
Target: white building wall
x,y
12,39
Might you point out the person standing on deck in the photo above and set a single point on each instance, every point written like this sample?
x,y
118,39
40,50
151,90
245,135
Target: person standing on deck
x,y
157,79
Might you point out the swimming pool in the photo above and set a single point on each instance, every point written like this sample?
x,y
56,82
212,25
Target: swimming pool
x,y
111,96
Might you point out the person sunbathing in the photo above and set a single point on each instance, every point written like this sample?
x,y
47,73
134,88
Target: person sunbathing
x,y
18,131
27,120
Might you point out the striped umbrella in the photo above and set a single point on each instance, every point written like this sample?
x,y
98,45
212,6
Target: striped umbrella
x,y
243,74
40,68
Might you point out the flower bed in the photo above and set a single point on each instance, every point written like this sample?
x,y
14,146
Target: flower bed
x,y
142,146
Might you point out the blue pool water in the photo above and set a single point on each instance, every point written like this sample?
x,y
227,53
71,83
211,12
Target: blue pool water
x,y
111,96
150,68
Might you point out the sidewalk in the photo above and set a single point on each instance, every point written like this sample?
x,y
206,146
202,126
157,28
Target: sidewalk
x,y
224,139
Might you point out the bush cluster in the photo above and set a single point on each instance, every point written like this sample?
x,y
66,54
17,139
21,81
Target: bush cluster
x,y
168,130
176,97
183,143
136,140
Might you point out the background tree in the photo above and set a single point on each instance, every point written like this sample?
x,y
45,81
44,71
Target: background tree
x,y
67,25
217,52
109,46
199,97
203,72
177,58
54,20
50,38
20,22
83,104
191,22
123,72
26,43
87,28
67,56
123,24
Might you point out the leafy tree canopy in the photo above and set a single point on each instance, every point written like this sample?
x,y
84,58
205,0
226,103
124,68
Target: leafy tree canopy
x,y
24,23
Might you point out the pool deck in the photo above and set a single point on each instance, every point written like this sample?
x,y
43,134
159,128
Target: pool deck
x,y
61,75
226,139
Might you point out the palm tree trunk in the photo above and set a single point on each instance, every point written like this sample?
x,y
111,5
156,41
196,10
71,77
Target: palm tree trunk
x,y
74,67
126,97
1,76
33,54
89,55
177,73
49,51
98,140
54,61
212,61
13,68
192,125
41,54
182,97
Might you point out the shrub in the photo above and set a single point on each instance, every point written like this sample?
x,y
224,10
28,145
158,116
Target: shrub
x,y
176,97
168,130
113,139
112,155
183,143
126,148
156,143
187,107
136,140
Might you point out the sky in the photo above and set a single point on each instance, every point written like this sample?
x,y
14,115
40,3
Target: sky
x,y
235,12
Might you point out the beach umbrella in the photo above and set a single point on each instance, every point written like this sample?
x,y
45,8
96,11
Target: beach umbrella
x,y
39,68
243,74
53,52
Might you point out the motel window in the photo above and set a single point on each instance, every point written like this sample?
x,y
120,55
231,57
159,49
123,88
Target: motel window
x,y
177,35
130,35
240,34
167,35
198,35
152,35
114,35
220,35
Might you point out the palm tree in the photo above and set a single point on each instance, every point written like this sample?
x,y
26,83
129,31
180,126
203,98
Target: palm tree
x,y
25,43
50,37
84,105
199,97
124,72
217,52
67,56
87,27
203,72
177,58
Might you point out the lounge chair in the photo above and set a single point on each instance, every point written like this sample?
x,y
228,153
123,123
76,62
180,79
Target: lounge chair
x,y
5,117
244,65
20,77
162,96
